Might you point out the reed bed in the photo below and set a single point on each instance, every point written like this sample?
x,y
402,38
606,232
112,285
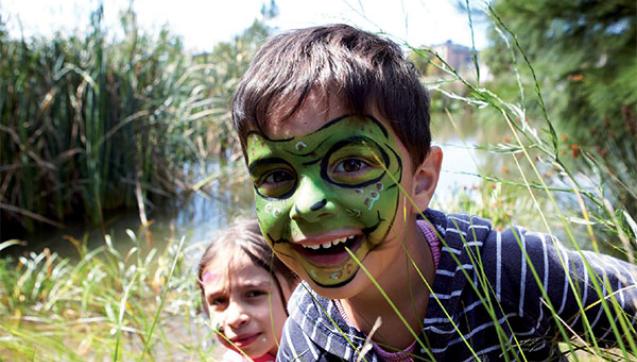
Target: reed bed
x,y
89,124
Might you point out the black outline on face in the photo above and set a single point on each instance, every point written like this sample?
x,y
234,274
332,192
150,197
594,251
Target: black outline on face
x,y
325,159
269,161
366,231
346,142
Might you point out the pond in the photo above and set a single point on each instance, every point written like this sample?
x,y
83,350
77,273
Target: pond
x,y
197,216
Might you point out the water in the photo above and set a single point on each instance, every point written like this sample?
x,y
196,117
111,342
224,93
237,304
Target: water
x,y
198,216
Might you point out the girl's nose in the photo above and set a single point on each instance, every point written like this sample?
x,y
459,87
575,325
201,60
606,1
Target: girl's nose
x,y
311,202
236,316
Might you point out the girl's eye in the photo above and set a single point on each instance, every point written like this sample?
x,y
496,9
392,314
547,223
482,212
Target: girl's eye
x,y
217,301
255,293
351,165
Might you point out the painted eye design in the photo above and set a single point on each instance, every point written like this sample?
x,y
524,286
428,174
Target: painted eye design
x,y
355,163
276,183
351,165
273,177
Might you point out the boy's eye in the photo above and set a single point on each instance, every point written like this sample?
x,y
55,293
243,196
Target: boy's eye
x,y
351,165
356,164
277,183
276,177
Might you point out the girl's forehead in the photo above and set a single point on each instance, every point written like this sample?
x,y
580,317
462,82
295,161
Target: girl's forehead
x,y
237,270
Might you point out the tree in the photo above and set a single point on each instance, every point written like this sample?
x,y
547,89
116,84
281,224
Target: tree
x,y
220,73
585,55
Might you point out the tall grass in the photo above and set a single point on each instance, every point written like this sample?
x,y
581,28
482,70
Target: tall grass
x,y
563,201
141,304
89,124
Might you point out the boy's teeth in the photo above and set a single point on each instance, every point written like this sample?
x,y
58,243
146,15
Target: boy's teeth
x,y
331,243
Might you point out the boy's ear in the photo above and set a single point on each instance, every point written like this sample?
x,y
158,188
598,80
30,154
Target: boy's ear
x,y
425,178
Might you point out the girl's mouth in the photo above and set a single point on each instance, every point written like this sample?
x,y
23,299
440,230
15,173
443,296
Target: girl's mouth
x,y
245,340
330,253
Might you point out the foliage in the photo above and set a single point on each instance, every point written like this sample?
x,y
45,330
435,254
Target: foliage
x,y
111,304
543,181
89,125
584,54
220,72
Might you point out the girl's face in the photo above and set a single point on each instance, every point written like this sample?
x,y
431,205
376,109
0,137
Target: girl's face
x,y
245,305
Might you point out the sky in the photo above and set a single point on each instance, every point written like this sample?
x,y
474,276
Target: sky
x,y
203,23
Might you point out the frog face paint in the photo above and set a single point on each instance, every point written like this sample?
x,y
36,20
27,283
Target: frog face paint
x,y
317,194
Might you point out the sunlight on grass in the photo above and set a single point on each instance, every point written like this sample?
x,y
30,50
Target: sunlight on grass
x,y
144,304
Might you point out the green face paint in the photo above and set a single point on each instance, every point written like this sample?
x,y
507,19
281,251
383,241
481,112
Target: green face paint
x,y
333,188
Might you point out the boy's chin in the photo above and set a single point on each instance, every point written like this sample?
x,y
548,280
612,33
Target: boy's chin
x,y
344,290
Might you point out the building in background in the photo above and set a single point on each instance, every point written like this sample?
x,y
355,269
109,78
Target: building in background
x,y
460,58
457,56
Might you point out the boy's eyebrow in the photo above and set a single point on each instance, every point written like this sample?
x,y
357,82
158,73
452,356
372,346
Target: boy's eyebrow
x,y
265,161
263,135
368,116
346,141
331,122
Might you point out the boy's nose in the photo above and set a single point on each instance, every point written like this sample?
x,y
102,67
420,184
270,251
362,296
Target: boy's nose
x,y
311,202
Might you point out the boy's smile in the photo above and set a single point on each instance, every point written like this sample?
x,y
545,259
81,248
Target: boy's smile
x,y
332,188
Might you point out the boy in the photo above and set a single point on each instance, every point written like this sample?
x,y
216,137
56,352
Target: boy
x,y
334,125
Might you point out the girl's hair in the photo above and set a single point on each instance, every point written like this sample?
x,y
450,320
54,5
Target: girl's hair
x,y
244,236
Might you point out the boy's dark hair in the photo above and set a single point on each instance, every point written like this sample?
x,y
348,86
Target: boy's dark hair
x,y
361,68
244,236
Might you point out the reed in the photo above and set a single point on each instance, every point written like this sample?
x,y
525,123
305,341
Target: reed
x,y
131,304
89,124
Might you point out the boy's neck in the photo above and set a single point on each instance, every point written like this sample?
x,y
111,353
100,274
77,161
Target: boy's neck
x,y
404,286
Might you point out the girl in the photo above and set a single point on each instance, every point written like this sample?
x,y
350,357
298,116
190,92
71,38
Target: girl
x,y
244,290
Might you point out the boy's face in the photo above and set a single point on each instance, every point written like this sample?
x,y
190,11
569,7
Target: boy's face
x,y
325,181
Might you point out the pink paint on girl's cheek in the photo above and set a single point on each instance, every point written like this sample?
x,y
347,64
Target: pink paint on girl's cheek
x,y
209,277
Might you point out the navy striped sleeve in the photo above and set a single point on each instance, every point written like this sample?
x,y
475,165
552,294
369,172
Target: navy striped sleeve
x,y
539,279
297,346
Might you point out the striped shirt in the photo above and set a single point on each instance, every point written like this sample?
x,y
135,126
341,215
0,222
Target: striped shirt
x,y
493,297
